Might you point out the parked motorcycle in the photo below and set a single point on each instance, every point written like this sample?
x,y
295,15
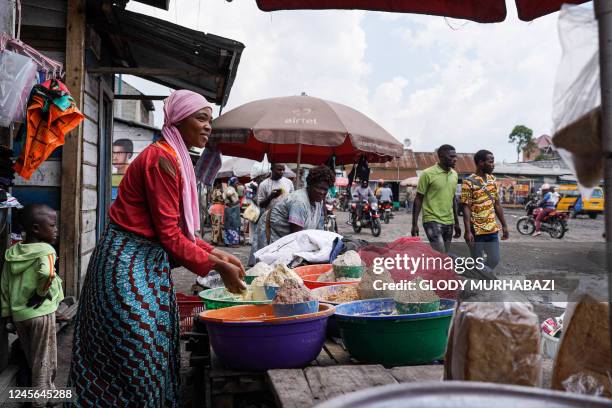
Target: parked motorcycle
x,y
387,211
330,223
555,222
369,218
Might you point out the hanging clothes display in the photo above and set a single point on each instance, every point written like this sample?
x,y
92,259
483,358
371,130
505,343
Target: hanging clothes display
x,y
360,171
51,114
208,166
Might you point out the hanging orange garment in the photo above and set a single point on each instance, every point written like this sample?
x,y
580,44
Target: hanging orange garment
x,y
45,132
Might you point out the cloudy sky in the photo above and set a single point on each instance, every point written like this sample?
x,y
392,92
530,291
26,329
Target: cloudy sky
x,y
428,79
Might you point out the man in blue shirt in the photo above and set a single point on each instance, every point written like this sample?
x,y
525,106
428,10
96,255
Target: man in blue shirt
x,y
548,205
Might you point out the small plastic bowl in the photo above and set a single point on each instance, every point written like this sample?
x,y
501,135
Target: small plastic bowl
x,y
271,291
248,279
348,271
294,309
421,307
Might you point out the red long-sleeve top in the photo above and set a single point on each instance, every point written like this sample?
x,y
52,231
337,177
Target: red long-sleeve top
x,y
149,204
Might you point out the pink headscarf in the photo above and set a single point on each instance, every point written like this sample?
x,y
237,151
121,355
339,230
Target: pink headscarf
x,y
179,105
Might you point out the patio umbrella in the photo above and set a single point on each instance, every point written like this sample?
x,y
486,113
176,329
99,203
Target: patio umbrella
x,y
410,181
302,129
235,166
482,11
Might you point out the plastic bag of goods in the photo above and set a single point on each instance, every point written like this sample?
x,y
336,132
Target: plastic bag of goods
x,y
17,77
369,288
583,360
577,96
494,342
432,266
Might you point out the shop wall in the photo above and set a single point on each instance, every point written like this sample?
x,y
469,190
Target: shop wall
x,y
89,176
139,135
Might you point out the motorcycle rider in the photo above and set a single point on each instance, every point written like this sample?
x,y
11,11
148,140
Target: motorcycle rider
x,y
363,192
548,205
385,194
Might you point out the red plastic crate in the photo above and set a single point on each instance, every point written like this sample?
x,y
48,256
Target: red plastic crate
x,y
188,306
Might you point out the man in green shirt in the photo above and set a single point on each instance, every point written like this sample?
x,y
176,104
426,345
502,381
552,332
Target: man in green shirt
x,y
436,197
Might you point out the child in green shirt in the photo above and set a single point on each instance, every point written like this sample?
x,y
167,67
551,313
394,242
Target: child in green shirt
x,y
30,292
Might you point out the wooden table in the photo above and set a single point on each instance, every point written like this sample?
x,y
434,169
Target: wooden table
x,y
334,373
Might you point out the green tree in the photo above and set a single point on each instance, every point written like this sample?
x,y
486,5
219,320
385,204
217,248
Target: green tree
x,y
522,137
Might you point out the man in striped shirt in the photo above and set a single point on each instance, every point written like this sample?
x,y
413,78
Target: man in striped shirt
x,y
481,205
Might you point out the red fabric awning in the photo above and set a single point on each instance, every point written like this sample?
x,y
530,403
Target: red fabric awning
x,y
482,11
531,9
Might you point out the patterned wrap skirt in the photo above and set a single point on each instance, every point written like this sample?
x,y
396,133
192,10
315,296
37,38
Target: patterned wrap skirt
x,y
126,337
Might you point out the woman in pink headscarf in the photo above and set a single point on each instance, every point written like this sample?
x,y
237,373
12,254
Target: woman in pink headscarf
x,y
126,337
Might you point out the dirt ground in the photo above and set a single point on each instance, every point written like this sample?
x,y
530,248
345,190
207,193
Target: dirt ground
x,y
581,252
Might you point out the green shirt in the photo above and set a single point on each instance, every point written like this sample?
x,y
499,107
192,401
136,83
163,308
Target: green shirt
x,y
438,188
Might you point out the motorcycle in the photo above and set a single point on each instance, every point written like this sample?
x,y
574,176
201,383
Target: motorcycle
x,y
330,223
387,210
369,218
555,222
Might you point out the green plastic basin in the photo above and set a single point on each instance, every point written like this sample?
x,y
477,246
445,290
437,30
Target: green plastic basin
x,y
348,271
422,307
373,332
218,298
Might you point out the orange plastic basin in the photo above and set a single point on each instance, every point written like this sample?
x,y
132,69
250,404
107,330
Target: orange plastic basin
x,y
310,273
258,313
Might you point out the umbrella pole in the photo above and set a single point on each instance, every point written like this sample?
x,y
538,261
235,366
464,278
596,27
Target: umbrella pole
x,y
299,159
603,12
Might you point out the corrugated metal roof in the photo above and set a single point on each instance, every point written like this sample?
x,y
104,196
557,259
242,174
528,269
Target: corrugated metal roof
x,y
526,169
203,63
407,161
465,161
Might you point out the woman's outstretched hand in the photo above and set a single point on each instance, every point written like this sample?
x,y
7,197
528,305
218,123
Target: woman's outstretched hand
x,y
229,258
231,276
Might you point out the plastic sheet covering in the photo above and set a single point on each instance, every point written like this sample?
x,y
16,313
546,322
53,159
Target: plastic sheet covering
x,y
494,342
583,362
432,267
17,76
577,96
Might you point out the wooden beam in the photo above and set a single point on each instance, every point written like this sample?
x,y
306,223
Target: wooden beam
x,y
147,71
70,221
7,25
141,97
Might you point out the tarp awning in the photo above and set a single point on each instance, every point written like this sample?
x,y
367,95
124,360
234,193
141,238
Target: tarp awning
x,y
169,54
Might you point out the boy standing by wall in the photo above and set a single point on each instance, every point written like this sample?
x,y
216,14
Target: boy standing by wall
x,y
30,292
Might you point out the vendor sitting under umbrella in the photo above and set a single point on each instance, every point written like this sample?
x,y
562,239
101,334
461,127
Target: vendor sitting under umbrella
x,y
300,210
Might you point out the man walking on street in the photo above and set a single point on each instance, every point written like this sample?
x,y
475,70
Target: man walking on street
x,y
481,203
436,196
273,188
269,192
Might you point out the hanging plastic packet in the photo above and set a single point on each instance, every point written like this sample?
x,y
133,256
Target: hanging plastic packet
x,y
577,96
17,76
